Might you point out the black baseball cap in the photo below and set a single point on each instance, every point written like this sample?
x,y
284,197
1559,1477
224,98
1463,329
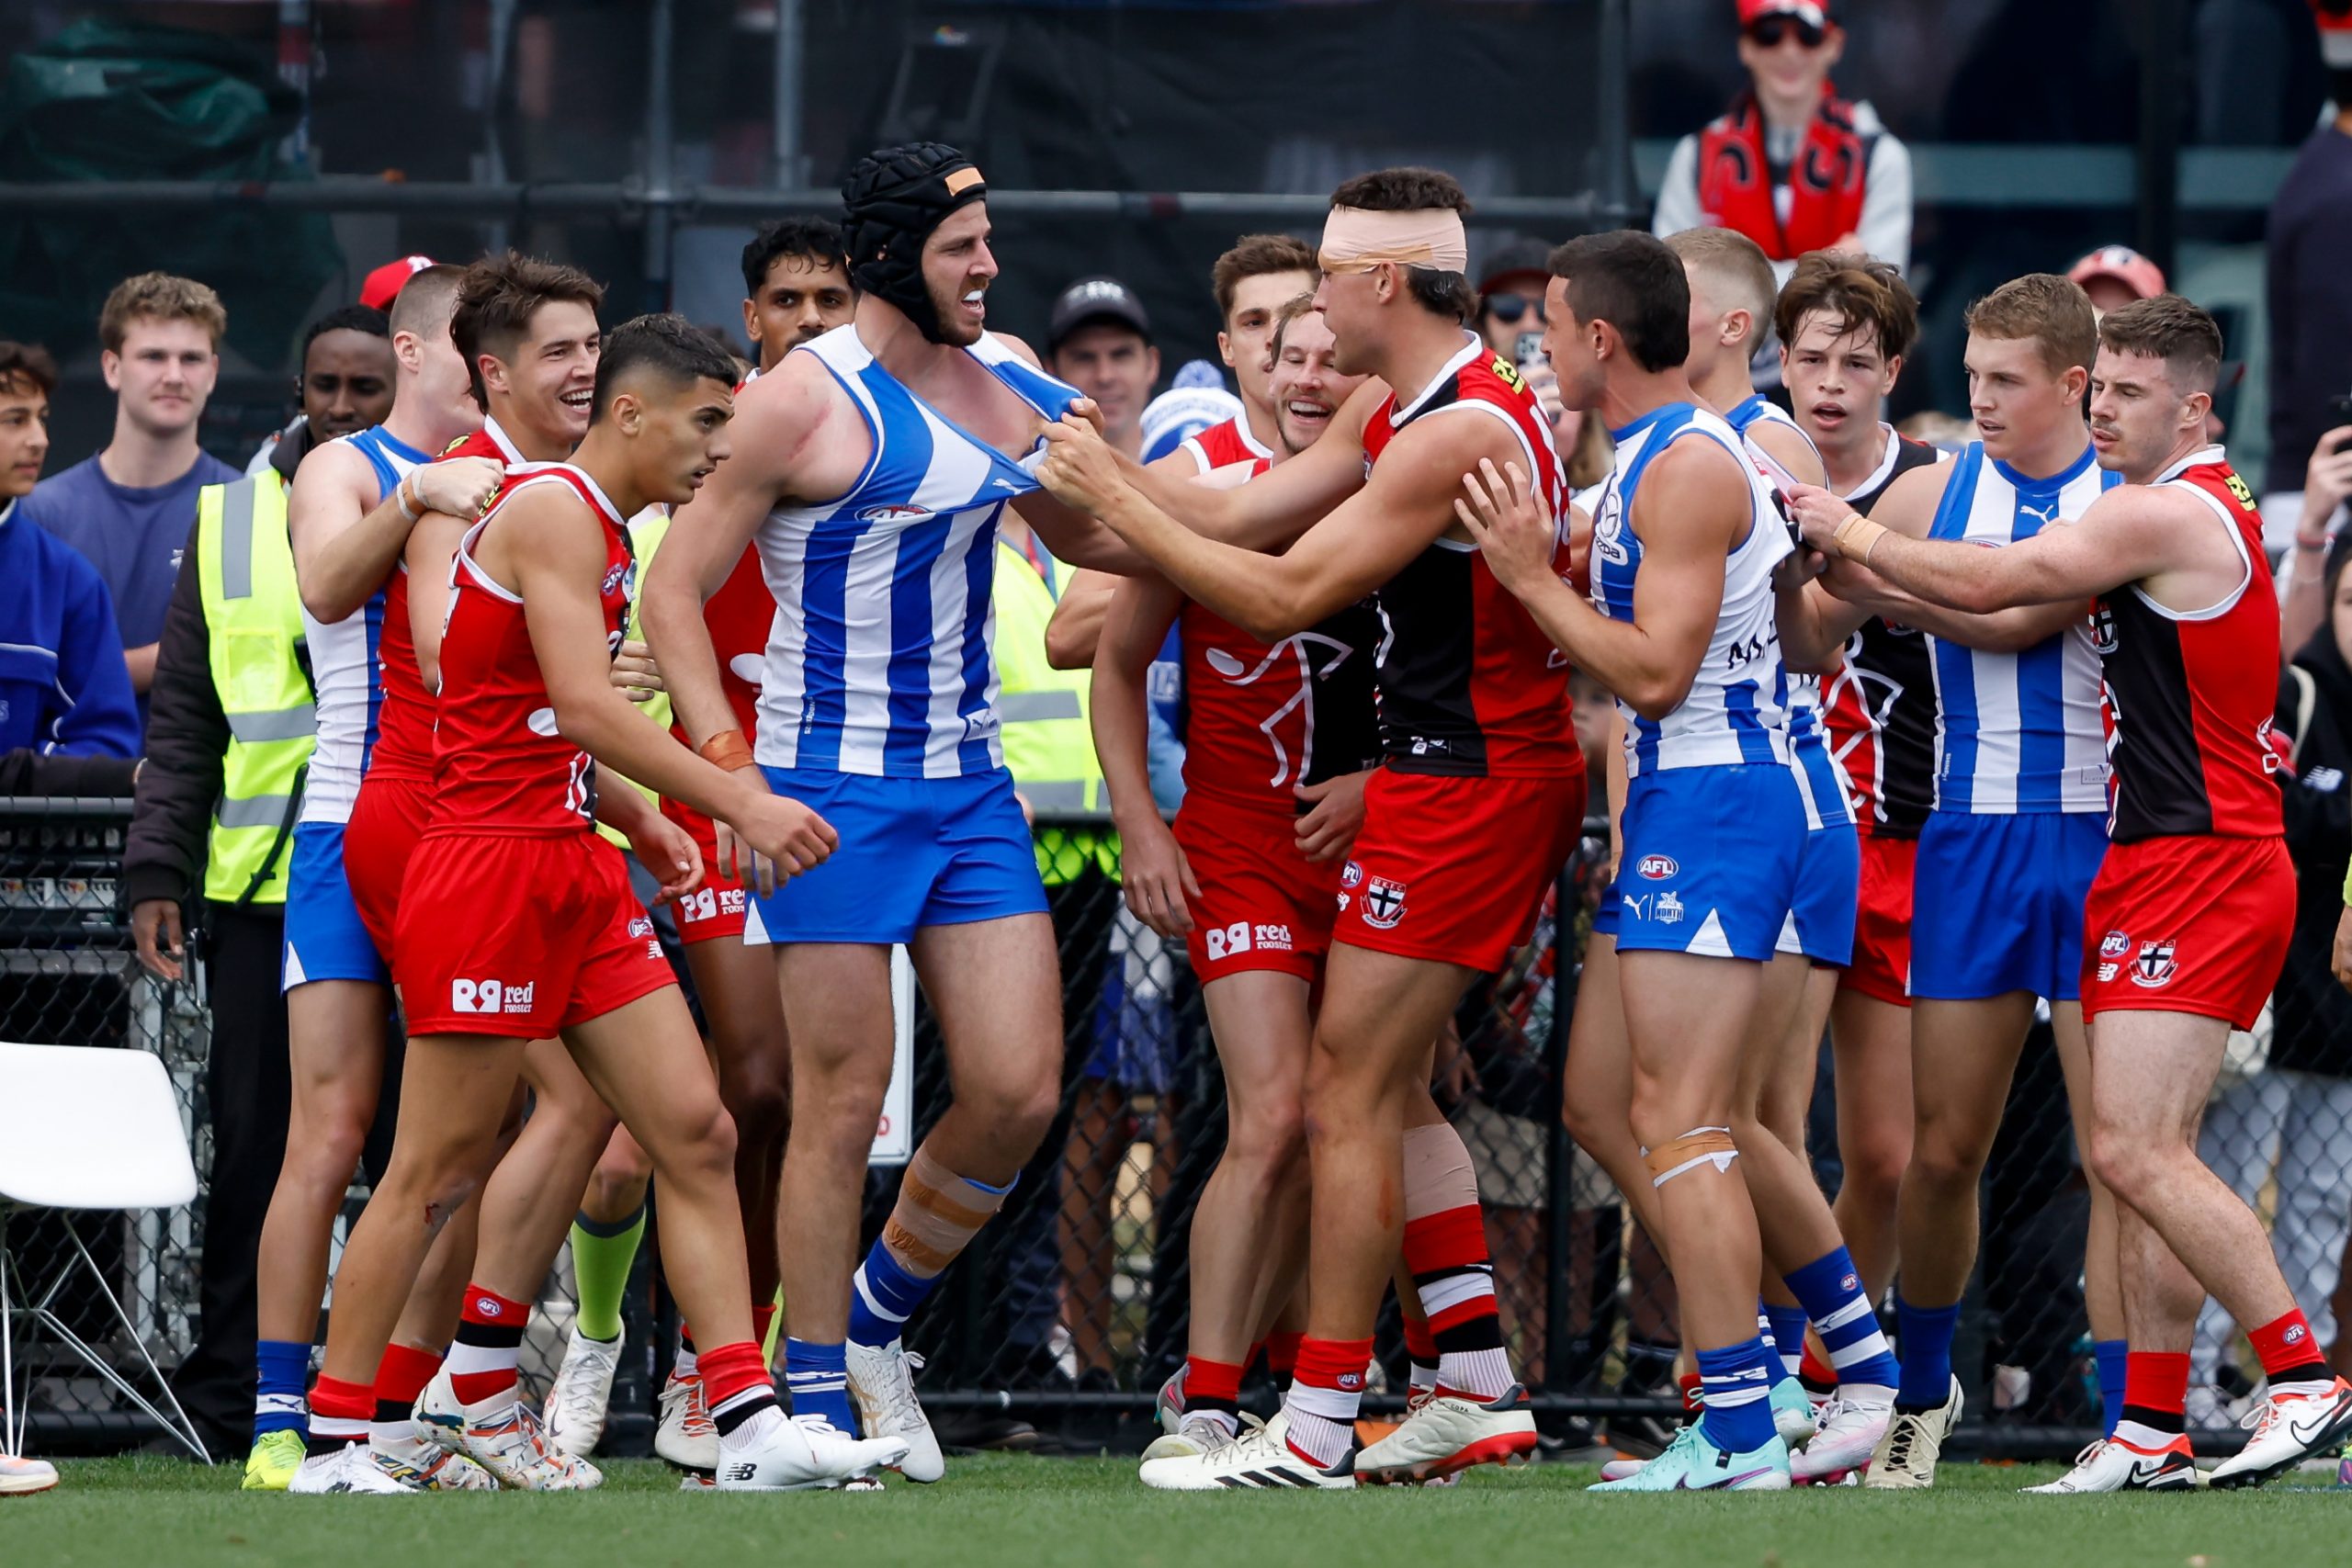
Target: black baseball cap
x,y
1092,299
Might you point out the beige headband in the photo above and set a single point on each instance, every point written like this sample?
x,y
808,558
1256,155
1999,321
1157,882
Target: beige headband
x,y
1355,239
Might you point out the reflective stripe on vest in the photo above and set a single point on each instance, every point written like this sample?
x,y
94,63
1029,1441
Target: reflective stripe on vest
x,y
1043,725
253,617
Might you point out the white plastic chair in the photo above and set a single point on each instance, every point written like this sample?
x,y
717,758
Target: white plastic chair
x,y
85,1128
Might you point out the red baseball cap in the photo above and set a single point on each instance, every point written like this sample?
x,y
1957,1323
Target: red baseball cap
x,y
2124,264
384,284
2335,18
1820,13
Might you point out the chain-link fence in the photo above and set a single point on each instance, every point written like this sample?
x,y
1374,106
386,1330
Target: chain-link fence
x,y
1056,1326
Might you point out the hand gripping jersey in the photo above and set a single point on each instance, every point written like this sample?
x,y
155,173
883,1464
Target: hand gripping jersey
x,y
342,661
1221,445
1737,708
502,767
1469,685
2191,693
405,720
878,662
2019,733
1881,705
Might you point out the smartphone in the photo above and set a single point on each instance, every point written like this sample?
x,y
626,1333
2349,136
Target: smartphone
x,y
1529,345
2339,411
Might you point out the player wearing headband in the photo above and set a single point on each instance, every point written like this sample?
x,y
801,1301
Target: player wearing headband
x,y
1478,800
871,467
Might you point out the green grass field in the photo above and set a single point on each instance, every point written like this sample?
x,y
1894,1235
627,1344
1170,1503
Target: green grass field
x,y
1038,1512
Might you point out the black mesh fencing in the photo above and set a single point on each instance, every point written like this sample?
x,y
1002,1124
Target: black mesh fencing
x,y
1057,1327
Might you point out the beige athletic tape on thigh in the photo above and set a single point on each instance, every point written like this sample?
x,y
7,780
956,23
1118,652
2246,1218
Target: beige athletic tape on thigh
x,y
1438,1173
1700,1145
935,1217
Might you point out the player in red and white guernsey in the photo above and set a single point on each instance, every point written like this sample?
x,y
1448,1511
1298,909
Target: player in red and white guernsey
x,y
1277,741
1478,800
540,600
2189,917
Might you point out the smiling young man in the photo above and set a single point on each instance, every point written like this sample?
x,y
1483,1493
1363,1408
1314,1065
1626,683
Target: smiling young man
x,y
2188,920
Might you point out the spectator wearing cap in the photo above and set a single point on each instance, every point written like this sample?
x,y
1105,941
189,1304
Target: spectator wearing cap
x,y
2308,289
1099,340
346,385
1791,164
1510,297
2116,276
64,687
128,508
381,286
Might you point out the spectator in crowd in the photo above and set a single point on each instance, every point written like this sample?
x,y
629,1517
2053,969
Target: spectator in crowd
x,y
2309,289
2297,1111
1792,166
381,286
1099,340
345,384
2328,480
128,508
63,686
2116,274
1510,300
231,729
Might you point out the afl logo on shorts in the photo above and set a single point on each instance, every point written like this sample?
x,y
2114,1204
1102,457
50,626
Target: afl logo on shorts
x,y
2154,966
1384,903
894,514
1353,877
1655,868
2116,945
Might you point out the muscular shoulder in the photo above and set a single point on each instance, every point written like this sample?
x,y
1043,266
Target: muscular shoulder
x,y
1789,448
796,429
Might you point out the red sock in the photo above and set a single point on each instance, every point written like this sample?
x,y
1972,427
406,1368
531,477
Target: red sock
x,y
1324,1396
489,1339
2288,1351
402,1376
1816,1372
1446,1253
1282,1352
1214,1385
2156,1381
1419,1343
340,1412
736,1384
763,1318
1688,1383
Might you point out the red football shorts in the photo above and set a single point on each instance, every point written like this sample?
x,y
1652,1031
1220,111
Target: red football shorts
x,y
715,912
2189,924
1881,964
387,819
1453,869
1262,906
520,936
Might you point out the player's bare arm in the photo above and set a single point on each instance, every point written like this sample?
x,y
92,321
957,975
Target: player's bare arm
x,y
1282,503
556,577
1690,517
432,544
344,546
1154,877
1077,623
1396,514
1788,446
1816,621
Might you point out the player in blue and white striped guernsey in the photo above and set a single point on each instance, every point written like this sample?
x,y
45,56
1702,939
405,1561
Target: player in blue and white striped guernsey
x,y
870,468
347,516
2018,831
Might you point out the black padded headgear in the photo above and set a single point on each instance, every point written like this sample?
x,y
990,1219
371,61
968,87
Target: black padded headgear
x,y
893,199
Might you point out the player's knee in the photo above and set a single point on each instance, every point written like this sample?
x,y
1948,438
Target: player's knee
x,y
1876,1162
2126,1161
1268,1138
1949,1154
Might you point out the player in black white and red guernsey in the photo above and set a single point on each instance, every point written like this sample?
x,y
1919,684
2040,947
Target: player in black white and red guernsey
x,y
1278,741
1477,802
2189,916
541,599
1845,324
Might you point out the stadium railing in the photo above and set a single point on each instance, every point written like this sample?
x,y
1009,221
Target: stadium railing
x,y
1070,1309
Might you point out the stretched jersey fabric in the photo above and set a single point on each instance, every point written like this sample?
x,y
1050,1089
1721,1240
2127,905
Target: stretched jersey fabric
x,y
502,767
1221,445
1881,705
1737,708
343,661
404,716
878,662
2191,694
1469,685
2019,732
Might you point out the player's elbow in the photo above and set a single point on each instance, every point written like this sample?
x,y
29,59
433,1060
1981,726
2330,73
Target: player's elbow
x,y
1070,645
327,601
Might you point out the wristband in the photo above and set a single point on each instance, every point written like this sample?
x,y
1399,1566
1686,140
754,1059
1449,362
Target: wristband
x,y
400,494
2310,541
726,749
1856,536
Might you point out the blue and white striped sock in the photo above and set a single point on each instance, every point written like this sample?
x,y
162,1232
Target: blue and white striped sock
x,y
816,1377
282,1375
1736,1387
1785,1337
1830,1289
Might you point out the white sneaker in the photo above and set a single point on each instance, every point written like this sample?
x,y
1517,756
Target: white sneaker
x,y
1622,1468
686,1436
582,1394
774,1452
440,1417
20,1477
2288,1429
881,1381
2110,1464
1169,1407
355,1467
504,1436
1197,1432
1904,1459
1449,1432
1262,1458
440,1470
1843,1442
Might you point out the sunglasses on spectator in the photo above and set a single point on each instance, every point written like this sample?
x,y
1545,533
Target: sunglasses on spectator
x,y
1512,306
1768,31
